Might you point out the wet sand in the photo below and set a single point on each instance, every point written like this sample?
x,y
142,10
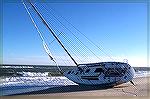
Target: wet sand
x,y
141,88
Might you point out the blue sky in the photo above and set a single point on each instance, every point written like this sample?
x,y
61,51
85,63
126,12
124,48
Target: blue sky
x,y
120,28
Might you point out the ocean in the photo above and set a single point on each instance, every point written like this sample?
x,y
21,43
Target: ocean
x,y
31,82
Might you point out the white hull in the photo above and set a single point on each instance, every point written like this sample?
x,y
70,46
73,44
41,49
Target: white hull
x,y
104,73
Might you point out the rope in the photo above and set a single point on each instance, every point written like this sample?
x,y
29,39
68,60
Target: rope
x,y
78,40
126,92
90,41
129,92
42,38
66,37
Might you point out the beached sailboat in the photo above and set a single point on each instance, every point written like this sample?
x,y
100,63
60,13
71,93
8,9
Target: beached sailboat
x,y
101,73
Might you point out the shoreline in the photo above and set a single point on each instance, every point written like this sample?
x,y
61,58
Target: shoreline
x,y
141,88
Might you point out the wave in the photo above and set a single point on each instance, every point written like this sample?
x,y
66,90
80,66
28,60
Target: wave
x,y
16,85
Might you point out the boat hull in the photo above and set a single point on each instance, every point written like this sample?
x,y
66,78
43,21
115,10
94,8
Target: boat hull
x,y
101,75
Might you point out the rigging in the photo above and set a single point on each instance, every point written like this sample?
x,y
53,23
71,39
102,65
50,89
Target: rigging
x,y
42,38
94,76
51,31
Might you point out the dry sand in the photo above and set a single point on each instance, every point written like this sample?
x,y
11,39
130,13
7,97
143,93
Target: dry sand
x,y
141,88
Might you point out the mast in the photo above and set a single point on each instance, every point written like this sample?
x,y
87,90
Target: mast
x,y
51,31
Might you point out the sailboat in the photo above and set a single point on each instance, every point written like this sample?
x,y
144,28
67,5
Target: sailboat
x,y
93,74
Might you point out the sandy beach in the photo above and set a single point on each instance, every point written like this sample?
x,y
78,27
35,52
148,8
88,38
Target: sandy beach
x,y
141,88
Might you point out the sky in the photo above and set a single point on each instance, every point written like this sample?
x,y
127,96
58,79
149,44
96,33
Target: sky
x,y
120,28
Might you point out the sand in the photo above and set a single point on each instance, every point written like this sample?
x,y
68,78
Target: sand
x,y
141,88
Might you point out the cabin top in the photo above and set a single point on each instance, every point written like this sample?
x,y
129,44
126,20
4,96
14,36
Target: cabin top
x,y
102,64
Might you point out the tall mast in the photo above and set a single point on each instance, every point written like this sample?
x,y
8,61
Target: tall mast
x,y
51,31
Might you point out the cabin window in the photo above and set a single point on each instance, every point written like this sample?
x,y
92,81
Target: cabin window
x,y
76,73
103,65
125,77
69,72
98,70
96,64
72,72
80,69
87,70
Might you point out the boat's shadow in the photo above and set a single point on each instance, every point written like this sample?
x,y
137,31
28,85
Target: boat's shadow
x,y
69,88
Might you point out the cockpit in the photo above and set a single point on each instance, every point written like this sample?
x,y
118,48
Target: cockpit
x,y
115,72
